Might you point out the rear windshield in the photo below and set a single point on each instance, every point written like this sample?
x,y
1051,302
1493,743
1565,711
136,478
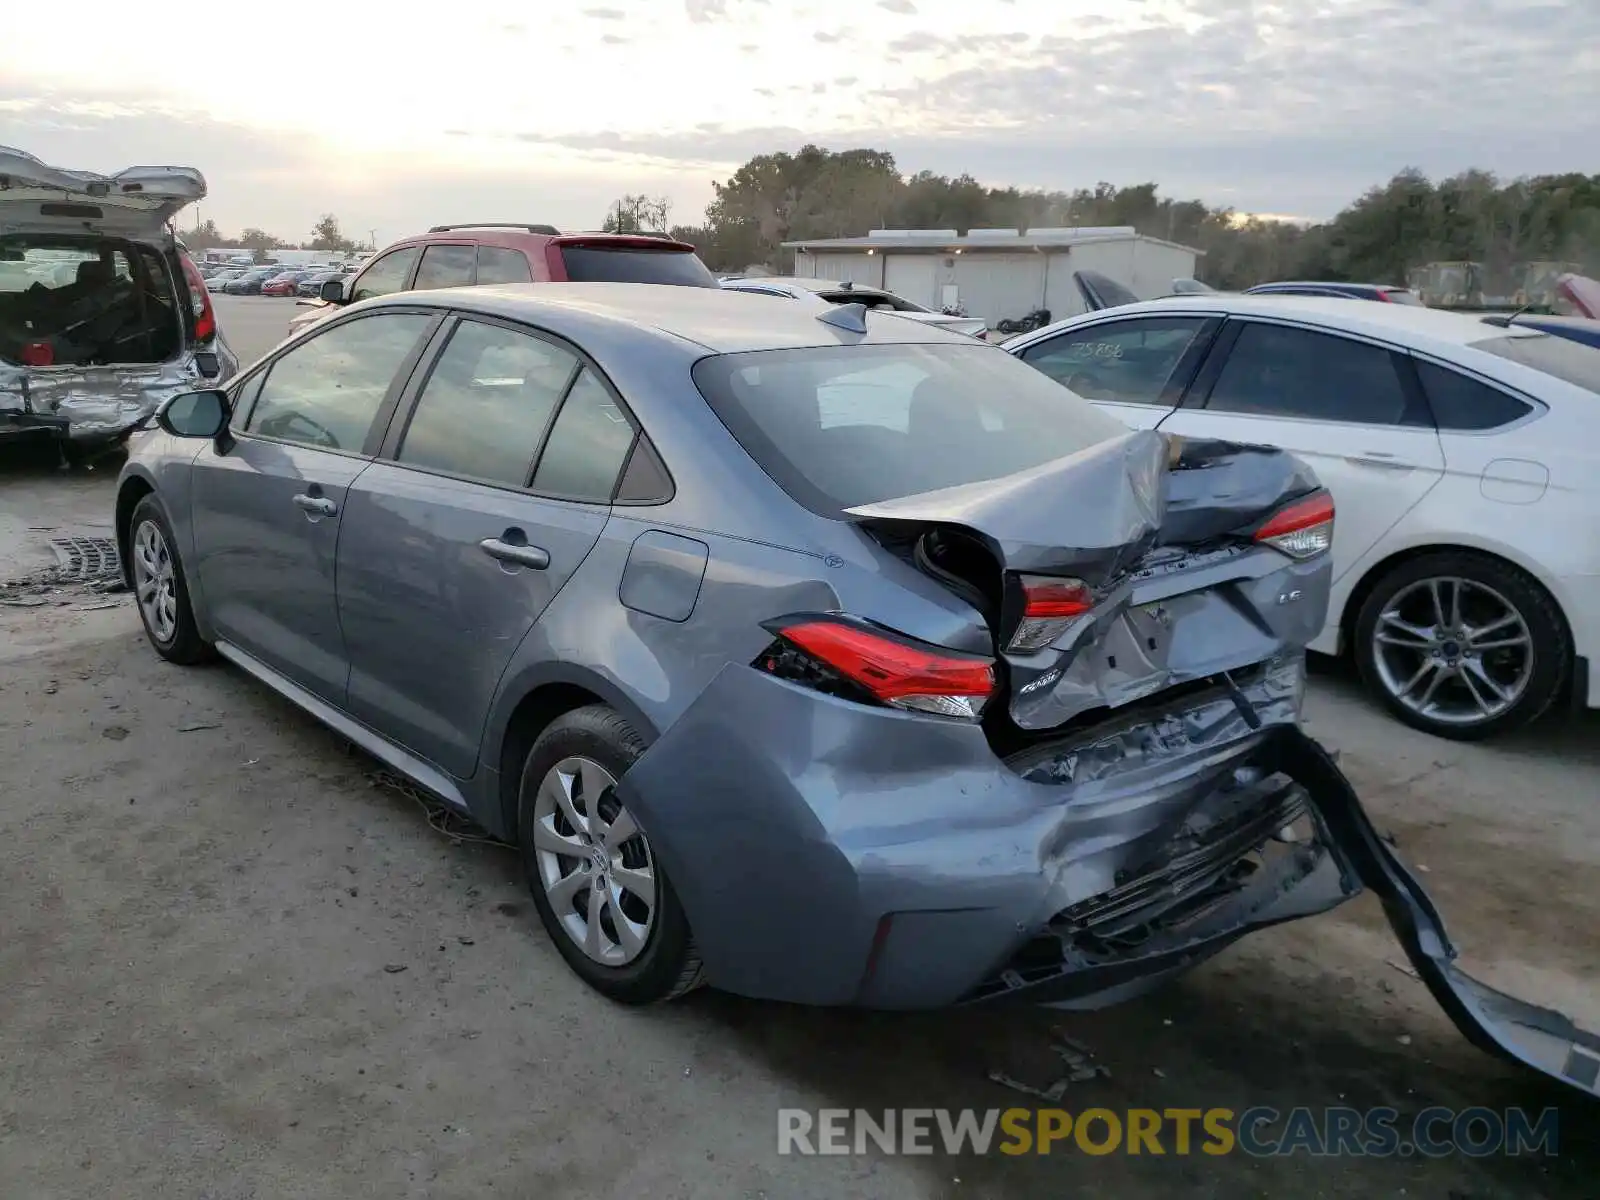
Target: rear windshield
x,y
1558,356
632,264
885,301
839,426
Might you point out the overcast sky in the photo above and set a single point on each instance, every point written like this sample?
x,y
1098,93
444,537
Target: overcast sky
x,y
399,117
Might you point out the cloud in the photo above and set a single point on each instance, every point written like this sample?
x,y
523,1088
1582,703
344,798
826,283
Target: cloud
x,y
1283,106
614,39
605,14
281,183
898,6
933,44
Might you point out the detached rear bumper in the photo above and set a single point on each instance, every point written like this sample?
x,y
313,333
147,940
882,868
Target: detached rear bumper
x,y
827,853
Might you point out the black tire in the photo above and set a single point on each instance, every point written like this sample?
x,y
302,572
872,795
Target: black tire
x,y
1547,630
669,965
185,647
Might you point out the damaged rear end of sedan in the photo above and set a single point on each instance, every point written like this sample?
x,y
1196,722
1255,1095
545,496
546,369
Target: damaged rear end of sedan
x,y
1043,744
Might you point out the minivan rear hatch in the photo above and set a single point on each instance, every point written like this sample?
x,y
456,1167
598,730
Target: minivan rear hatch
x,y
135,203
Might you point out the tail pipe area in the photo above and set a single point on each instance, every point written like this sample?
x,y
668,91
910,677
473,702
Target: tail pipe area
x,y
1541,1038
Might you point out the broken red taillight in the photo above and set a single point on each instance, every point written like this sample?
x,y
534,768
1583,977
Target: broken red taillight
x,y
842,655
1049,606
205,317
1303,529
37,354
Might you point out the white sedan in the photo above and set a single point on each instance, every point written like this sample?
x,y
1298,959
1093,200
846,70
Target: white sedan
x,y
835,291
1464,462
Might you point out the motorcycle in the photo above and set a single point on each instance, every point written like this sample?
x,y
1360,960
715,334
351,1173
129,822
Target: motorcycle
x,y
1037,319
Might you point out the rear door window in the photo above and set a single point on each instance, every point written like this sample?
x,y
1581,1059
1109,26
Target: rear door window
x,y
445,266
1123,362
486,404
496,264
326,391
1277,370
630,264
385,276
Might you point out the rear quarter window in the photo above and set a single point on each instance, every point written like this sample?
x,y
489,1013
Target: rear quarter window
x,y
1460,402
632,264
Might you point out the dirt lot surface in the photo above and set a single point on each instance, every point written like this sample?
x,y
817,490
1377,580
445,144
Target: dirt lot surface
x,y
235,968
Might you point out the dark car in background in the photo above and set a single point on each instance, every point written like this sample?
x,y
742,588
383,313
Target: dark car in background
x,y
311,285
463,255
249,284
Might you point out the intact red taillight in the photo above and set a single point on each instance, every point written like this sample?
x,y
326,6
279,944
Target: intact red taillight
x,y
886,667
1385,297
37,354
1049,606
205,317
1303,529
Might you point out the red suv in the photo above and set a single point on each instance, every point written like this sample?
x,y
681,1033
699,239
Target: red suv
x,y
462,255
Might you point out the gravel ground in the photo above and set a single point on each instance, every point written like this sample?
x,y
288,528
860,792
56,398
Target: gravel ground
x,y
235,968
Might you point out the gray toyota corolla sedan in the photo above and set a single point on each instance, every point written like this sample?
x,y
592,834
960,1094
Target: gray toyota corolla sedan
x,y
822,656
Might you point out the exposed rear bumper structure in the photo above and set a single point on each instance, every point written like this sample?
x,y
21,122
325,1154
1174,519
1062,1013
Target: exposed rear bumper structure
x,y
1540,1038
829,853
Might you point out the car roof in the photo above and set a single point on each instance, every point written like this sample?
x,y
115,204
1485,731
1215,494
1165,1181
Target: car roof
x,y
723,321
1411,324
529,238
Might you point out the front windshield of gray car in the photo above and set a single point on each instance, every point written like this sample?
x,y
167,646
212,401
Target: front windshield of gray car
x,y
840,426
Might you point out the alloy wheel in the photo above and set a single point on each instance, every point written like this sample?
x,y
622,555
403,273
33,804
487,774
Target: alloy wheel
x,y
1453,650
595,866
155,581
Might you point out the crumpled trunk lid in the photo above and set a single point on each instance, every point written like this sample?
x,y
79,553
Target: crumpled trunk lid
x,y
136,202
1157,527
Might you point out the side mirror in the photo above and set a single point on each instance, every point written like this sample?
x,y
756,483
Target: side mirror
x,y
195,414
333,291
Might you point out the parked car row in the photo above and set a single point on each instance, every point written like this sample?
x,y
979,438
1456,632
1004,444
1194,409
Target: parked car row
x,y
268,281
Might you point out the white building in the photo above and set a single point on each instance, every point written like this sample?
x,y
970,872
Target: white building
x,y
998,273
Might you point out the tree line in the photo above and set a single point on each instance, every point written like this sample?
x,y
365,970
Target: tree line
x,y
325,235
1396,226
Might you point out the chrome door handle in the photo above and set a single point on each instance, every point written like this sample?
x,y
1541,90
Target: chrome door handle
x,y
521,556
319,506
